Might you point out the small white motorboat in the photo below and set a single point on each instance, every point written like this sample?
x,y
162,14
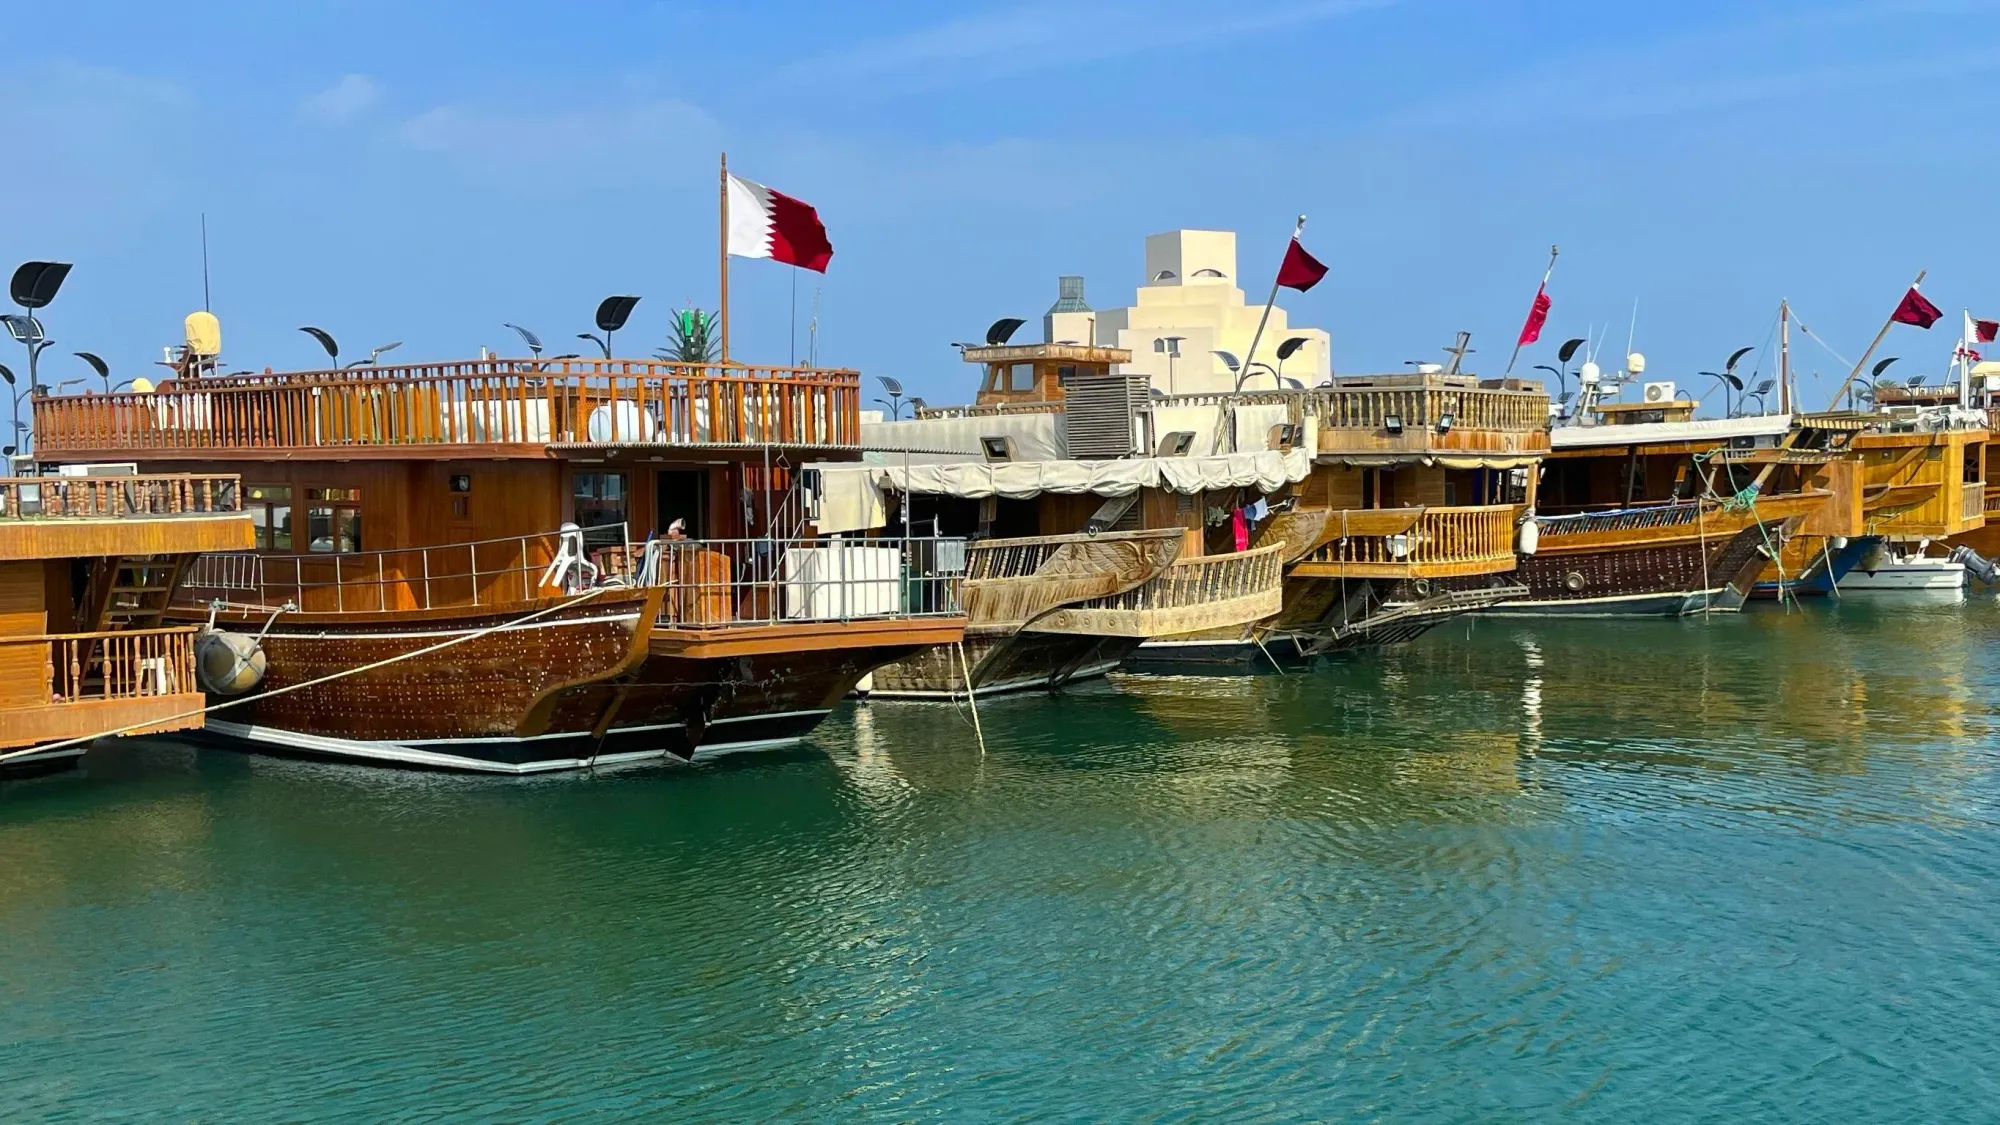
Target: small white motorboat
x,y
1893,566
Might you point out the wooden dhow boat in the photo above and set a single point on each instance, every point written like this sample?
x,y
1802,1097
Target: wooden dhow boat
x,y
443,575
1352,498
1041,612
1647,511
87,566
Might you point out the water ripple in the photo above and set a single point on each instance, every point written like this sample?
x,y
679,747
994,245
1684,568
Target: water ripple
x,y
1662,871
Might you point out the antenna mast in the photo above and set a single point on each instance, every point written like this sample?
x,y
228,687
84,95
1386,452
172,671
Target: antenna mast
x,y
204,262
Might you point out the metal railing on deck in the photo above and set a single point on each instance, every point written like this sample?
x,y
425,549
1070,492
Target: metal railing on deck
x,y
715,583
134,664
480,402
1417,537
453,575
711,582
134,497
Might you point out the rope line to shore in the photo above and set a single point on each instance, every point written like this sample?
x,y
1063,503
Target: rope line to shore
x,y
383,663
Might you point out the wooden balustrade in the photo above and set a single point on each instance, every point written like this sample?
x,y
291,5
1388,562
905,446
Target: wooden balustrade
x,y
1203,580
1992,495
133,664
1973,504
130,497
1415,543
1415,408
484,402
1620,519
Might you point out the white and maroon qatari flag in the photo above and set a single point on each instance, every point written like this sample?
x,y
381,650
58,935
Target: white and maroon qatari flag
x,y
770,224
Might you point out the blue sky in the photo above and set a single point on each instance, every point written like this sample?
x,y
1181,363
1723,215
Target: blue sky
x,y
424,172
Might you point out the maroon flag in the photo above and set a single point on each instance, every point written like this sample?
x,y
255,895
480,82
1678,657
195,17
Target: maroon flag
x,y
770,224
1916,310
1986,330
1301,270
1538,315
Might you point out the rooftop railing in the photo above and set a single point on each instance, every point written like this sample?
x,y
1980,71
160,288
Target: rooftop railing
x,y
105,498
481,402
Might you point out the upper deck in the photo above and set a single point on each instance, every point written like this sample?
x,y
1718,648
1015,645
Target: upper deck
x,y
489,408
110,516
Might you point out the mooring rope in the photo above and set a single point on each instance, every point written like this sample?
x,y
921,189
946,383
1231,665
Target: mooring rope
x,y
289,688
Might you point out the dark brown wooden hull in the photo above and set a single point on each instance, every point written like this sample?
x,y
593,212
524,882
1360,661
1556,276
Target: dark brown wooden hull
x,y
1644,578
588,686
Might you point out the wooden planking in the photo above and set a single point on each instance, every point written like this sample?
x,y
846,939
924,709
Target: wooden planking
x,y
172,535
34,726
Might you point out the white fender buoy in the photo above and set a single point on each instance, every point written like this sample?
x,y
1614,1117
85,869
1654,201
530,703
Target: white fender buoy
x,y
229,663
1531,536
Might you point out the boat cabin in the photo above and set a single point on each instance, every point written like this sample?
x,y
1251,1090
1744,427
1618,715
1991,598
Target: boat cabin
x,y
87,565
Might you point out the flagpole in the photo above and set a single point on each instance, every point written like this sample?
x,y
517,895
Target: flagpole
x,y
1784,357
1867,355
1297,230
722,258
1554,251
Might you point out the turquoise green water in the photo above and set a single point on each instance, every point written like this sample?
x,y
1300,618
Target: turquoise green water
x,y
1742,869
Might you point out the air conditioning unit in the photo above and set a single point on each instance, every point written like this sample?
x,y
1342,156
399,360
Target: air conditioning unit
x,y
1661,392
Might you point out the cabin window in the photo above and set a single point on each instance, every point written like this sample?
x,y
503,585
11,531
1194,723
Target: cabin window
x,y
1975,463
333,520
270,508
600,499
1021,377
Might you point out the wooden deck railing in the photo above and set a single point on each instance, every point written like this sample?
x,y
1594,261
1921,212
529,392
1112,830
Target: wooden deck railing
x,y
1992,492
481,402
101,498
134,664
1415,408
1620,519
1973,505
1418,542
1205,580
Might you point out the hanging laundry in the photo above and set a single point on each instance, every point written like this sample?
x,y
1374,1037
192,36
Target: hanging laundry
x,y
1241,527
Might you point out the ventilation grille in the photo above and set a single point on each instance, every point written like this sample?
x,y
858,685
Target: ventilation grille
x,y
1100,410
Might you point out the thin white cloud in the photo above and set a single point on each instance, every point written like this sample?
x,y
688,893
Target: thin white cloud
x,y
1756,62
343,101
1043,35
641,134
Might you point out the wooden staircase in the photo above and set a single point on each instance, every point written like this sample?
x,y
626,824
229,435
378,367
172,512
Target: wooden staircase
x,y
130,592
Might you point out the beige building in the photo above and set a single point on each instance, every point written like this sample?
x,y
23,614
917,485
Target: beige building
x,y
1191,307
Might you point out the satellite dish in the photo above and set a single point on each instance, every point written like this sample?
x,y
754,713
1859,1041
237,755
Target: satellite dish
x,y
1003,330
1291,346
893,386
142,386
1737,357
35,283
1883,366
613,312
326,341
204,334
1568,351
